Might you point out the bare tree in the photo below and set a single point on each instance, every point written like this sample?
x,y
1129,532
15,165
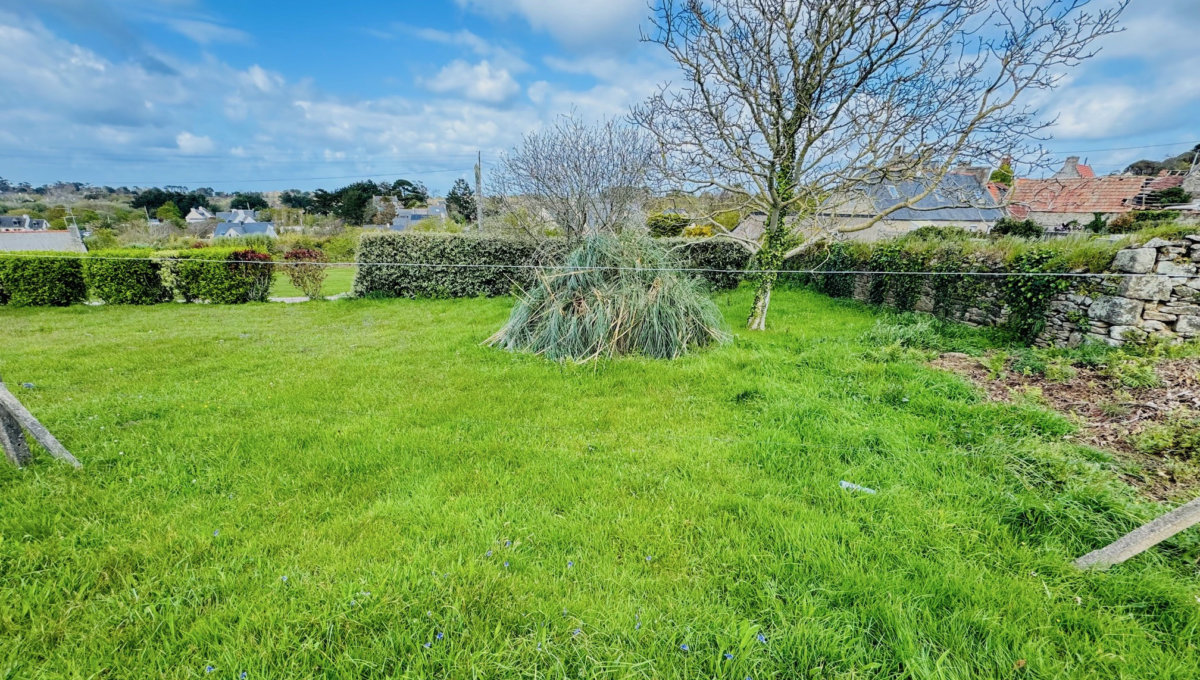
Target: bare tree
x,y
586,178
801,108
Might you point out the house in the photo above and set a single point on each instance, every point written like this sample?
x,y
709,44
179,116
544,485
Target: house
x,y
199,214
235,229
406,217
63,241
960,199
238,215
1073,195
22,223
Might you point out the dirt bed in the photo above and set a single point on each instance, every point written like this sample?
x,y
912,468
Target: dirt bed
x,y
1110,416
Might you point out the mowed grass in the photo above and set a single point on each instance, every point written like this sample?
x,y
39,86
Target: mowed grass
x,y
358,489
337,280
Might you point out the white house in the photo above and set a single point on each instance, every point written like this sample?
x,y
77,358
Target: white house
x,y
199,214
235,229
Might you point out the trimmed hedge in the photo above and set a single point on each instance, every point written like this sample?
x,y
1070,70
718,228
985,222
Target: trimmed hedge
x,y
28,279
124,277
216,275
436,259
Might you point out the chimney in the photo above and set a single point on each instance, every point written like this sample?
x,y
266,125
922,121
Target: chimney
x,y
1070,169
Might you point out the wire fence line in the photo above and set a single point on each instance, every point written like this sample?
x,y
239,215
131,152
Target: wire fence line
x,y
698,270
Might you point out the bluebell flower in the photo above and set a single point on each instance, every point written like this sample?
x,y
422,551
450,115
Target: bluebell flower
x,y
647,558
684,647
762,638
439,635
575,632
209,669
506,564
728,656
507,543
243,675
215,533
428,645
488,554
570,564
283,578
637,626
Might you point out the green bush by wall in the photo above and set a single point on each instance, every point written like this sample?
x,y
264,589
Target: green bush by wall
x,y
448,265
41,279
125,277
215,274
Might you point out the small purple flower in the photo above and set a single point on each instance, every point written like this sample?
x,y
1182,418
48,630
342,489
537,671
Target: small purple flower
x,y
762,638
576,632
637,626
570,564
428,645
507,543
647,558
439,635
209,669
243,675
684,647
539,646
488,554
216,533
728,656
506,564
283,578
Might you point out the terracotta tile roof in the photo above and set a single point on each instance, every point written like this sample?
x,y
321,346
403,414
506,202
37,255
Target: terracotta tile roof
x,y
1109,194
1165,182
1085,171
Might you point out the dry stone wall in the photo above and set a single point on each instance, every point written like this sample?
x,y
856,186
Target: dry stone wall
x,y
1157,293
1154,291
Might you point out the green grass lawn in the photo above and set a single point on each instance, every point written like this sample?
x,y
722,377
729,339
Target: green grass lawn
x,y
358,489
338,280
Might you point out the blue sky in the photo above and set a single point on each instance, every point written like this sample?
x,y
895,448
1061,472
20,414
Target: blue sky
x,y
269,95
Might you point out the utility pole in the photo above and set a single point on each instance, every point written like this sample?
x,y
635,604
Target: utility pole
x,y
479,191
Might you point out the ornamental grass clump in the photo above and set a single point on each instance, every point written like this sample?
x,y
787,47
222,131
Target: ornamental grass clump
x,y
613,296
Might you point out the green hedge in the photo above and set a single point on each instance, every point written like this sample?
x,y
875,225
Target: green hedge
x,y
213,274
508,261
125,277
41,279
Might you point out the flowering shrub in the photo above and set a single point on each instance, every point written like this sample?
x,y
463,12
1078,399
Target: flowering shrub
x,y
305,268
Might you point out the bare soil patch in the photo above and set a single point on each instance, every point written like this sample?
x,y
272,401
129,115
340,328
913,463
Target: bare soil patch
x,y
1110,415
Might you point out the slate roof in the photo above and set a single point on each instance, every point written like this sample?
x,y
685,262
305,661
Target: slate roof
x,y
225,229
1111,194
957,198
56,241
22,223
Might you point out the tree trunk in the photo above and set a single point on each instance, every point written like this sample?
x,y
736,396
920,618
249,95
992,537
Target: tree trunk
x,y
768,259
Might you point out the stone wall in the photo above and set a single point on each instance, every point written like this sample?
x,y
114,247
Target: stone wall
x,y
1157,294
1155,291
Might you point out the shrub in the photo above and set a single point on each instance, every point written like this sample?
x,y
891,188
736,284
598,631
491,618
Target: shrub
x,y
219,275
125,277
698,231
931,233
1121,224
305,268
724,260
613,296
437,265
1021,228
666,224
501,265
32,279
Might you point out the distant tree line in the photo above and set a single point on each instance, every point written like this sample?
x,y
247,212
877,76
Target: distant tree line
x,y
352,203
1180,163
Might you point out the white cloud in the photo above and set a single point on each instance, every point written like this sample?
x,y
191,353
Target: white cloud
x,y
577,24
191,144
207,32
481,82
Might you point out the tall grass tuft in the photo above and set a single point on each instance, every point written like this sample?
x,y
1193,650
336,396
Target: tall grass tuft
x,y
613,296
